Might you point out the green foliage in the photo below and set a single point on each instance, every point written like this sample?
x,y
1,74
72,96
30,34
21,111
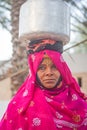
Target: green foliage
x,y
78,16
5,9
79,23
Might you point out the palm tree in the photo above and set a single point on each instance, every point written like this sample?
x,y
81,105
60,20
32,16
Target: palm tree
x,y
18,59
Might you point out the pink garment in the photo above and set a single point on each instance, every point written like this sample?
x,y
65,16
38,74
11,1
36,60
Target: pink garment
x,y
33,108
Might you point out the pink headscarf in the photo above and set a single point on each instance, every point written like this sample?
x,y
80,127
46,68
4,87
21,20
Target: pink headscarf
x,y
33,108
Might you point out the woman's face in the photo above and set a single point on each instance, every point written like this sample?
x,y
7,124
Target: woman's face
x,y
47,73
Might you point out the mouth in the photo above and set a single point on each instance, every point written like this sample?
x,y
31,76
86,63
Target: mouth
x,y
49,80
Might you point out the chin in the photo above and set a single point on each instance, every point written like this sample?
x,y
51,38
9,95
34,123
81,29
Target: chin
x,y
50,86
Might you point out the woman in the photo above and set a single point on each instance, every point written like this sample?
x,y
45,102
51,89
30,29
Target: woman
x,y
50,98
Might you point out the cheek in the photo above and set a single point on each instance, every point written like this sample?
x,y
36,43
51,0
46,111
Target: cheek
x,y
40,75
57,75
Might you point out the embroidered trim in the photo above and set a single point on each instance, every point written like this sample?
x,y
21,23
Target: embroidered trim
x,y
69,124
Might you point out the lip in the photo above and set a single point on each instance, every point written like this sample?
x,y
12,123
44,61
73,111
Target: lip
x,y
49,80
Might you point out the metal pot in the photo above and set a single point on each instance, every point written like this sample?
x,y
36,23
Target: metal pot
x,y
44,19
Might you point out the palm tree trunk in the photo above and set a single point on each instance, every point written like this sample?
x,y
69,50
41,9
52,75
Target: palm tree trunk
x,y
19,56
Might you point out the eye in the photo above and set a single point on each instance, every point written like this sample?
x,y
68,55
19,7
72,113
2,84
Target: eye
x,y
53,67
42,67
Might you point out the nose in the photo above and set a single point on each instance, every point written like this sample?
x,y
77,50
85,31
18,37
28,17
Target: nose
x,y
49,72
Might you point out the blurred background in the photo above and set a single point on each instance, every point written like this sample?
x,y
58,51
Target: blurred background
x,y
13,57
